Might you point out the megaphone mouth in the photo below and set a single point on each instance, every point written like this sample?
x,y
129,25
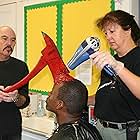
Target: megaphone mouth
x,y
79,55
88,46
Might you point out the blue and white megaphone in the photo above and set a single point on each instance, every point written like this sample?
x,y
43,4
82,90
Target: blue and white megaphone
x,y
87,47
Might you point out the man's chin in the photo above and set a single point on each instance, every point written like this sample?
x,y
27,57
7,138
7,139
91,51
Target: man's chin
x,y
5,57
47,108
7,53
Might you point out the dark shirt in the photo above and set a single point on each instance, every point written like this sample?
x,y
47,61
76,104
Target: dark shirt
x,y
76,131
115,102
12,71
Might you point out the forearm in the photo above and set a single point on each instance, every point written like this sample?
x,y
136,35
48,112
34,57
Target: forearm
x,y
101,59
20,100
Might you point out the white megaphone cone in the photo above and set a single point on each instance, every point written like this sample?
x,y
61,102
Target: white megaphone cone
x,y
87,47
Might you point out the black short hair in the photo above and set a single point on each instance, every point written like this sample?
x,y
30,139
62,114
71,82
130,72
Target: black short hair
x,y
75,95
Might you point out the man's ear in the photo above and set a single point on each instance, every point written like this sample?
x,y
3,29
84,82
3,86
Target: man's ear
x,y
60,105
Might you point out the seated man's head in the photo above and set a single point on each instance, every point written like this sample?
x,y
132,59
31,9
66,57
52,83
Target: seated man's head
x,y
68,97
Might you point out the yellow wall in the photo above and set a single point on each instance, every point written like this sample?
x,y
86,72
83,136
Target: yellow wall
x,y
77,23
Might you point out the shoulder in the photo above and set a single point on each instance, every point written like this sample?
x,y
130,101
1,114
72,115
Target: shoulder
x,y
67,130
89,131
64,132
18,64
135,52
18,61
134,55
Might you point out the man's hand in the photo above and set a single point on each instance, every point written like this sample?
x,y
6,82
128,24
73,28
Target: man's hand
x,y
8,97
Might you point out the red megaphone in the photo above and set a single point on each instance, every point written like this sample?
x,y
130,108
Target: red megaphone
x,y
50,56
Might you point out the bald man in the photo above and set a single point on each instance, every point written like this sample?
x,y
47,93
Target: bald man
x,y
12,70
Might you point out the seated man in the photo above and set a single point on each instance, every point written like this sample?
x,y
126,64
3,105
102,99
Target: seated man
x,y
68,100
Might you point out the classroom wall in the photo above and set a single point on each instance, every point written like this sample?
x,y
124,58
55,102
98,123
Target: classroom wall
x,y
11,13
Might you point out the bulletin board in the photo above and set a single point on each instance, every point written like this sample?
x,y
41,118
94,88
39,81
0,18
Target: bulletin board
x,y
68,23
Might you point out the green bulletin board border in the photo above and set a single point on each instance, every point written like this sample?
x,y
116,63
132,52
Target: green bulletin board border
x,y
59,29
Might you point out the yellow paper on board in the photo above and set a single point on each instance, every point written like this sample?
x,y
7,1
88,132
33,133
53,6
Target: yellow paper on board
x,y
41,19
78,23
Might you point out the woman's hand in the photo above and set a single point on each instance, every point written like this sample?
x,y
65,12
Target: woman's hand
x,y
100,59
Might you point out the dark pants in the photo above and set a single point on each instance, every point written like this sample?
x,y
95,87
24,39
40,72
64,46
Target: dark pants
x,y
10,137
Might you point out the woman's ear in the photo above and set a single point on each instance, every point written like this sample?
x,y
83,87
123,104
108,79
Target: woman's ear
x,y
129,31
60,105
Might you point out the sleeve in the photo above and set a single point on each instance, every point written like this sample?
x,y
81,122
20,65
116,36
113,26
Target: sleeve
x,y
24,90
137,68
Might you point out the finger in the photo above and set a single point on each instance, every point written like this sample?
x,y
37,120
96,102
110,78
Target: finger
x,y
104,63
7,99
94,55
13,93
5,94
99,58
1,88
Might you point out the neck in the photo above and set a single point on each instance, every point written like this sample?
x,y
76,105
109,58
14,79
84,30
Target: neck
x,y
3,58
67,118
126,49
